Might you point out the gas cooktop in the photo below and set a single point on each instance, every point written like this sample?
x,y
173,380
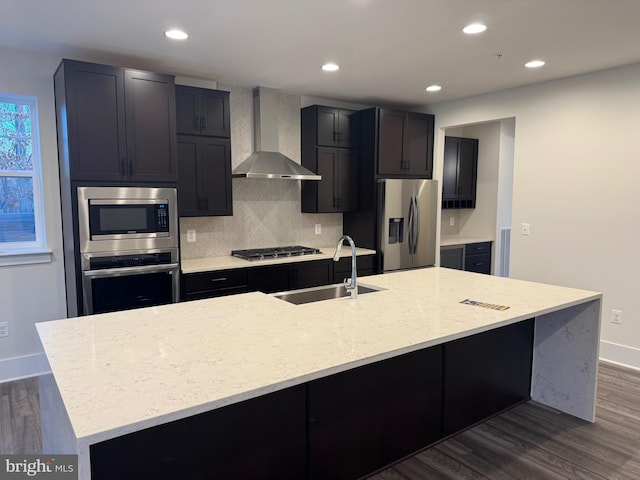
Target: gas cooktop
x,y
275,252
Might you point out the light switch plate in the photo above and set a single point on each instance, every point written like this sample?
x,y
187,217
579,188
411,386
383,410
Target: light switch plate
x,y
191,236
318,228
4,329
525,229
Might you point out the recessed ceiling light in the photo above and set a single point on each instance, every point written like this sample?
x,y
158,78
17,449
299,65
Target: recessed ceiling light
x,y
433,88
330,67
474,28
534,64
176,34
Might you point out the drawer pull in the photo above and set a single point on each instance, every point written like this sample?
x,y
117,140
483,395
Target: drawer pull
x,y
221,279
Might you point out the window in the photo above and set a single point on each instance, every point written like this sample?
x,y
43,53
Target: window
x,y
21,224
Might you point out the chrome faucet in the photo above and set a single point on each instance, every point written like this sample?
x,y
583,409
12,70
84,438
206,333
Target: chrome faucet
x,y
351,286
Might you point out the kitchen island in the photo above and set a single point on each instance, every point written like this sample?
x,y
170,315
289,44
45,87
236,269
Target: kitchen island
x,y
118,375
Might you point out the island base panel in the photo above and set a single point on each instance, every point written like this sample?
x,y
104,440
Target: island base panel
x,y
264,437
565,362
486,373
363,419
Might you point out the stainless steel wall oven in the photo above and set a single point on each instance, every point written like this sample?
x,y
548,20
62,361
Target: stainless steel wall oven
x,y
128,240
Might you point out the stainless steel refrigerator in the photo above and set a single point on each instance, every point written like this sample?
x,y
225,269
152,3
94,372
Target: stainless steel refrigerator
x,y
407,221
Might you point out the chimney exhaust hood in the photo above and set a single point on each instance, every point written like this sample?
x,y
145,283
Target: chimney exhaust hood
x,y
266,161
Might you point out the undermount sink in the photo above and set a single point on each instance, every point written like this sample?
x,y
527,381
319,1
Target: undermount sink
x,y
317,294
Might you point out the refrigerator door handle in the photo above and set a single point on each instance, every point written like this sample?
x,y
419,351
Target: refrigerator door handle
x,y
416,224
411,226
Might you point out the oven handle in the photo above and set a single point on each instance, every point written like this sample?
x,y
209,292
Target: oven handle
x,y
119,272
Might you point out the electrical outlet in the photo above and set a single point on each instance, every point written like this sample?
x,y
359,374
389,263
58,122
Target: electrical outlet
x,y
4,329
452,221
525,229
616,316
191,236
318,228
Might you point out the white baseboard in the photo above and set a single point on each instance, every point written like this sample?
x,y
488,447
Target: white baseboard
x,y
23,367
620,354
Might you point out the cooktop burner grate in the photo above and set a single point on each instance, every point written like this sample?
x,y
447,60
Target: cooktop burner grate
x,y
275,252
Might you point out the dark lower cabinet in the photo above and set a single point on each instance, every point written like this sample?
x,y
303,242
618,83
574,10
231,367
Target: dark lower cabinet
x,y
486,373
278,278
368,417
219,283
261,438
342,268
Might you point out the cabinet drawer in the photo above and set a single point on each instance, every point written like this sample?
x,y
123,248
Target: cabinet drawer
x,y
363,262
477,248
215,283
478,263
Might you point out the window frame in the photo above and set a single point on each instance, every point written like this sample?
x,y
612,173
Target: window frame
x,y
39,244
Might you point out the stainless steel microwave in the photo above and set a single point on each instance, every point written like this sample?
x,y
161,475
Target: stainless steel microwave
x,y
116,219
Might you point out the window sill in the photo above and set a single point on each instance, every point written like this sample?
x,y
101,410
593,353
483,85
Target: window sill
x,y
24,257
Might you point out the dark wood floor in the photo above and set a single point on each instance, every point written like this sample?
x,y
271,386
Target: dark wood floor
x,y
528,442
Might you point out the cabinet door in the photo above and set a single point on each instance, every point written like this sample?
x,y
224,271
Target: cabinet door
x,y
216,176
363,419
346,180
187,110
327,126
310,274
327,200
390,137
94,96
151,132
189,189
418,145
486,373
450,170
269,279
467,166
215,117
344,128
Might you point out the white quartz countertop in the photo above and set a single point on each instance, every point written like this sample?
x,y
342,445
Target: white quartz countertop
x,y
456,240
125,371
208,264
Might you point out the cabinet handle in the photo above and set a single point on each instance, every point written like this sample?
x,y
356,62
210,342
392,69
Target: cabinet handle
x,y
335,137
122,167
130,166
196,122
203,123
199,203
206,203
221,279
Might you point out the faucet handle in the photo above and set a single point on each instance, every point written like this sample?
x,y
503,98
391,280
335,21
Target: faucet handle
x,y
347,284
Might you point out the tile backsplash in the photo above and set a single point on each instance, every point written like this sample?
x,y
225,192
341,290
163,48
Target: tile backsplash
x,y
266,213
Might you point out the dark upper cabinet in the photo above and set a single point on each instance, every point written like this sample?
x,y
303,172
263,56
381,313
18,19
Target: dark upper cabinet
x,y
460,172
201,111
405,144
337,191
327,138
327,126
115,125
204,186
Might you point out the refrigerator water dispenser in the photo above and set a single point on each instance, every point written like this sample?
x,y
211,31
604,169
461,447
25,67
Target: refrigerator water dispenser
x,y
396,230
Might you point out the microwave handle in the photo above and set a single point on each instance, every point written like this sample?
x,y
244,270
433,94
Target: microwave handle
x,y
119,272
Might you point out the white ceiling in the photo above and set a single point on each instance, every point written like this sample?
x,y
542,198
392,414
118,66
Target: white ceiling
x,y
388,50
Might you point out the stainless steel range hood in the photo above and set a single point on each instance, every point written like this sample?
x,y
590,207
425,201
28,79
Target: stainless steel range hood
x,y
266,161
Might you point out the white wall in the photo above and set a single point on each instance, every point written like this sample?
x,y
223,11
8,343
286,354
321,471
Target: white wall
x,y
33,293
576,168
